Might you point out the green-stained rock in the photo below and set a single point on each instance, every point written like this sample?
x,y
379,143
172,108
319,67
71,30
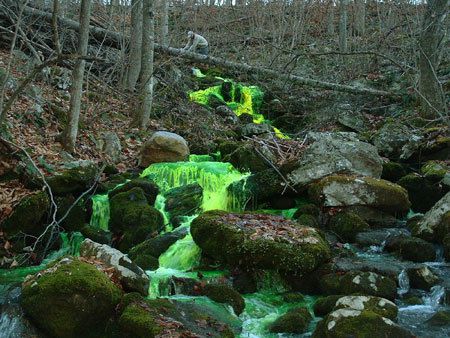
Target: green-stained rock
x,y
392,171
440,318
294,321
411,248
347,225
422,192
325,305
70,299
341,191
366,283
149,188
380,306
183,201
73,181
223,293
133,218
259,241
28,216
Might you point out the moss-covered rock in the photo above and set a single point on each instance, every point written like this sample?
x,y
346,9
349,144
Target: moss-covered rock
x,y
422,277
135,321
341,191
380,306
347,225
411,248
446,244
392,171
149,188
434,171
413,300
308,221
76,218
423,193
73,181
325,305
28,216
223,293
97,235
70,299
133,218
366,283
308,209
243,156
183,201
294,321
440,318
259,241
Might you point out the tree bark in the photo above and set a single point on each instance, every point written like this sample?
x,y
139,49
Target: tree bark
x,y
71,131
165,23
148,45
135,44
330,19
360,17
343,4
431,43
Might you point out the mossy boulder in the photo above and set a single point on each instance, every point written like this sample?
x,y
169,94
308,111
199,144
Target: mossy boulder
x,y
342,191
440,318
347,225
422,192
260,186
28,216
223,293
294,321
446,244
325,305
308,220
132,218
243,156
149,188
135,321
78,215
378,305
421,277
391,139
259,241
183,201
392,171
366,283
75,180
70,299
413,300
96,234
411,248
307,209
434,171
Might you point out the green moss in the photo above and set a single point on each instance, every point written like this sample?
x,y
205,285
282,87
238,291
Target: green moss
x,y
136,321
70,299
347,225
242,156
223,293
325,305
413,300
77,216
293,297
434,171
308,209
392,171
294,321
97,235
412,248
75,180
440,318
149,188
423,194
308,220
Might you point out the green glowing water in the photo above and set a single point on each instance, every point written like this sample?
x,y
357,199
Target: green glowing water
x,y
100,212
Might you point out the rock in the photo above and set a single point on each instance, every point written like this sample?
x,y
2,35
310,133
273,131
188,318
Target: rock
x,y
411,248
163,147
378,236
380,306
422,277
394,139
375,218
308,209
259,241
132,277
96,234
76,218
227,113
347,225
260,186
435,224
353,121
28,216
254,129
244,281
348,322
392,171
70,299
446,244
244,156
308,220
74,180
440,318
294,321
434,171
367,283
133,218
422,193
183,201
111,146
339,191
11,82
325,305
223,293
146,254
334,153
413,300
149,188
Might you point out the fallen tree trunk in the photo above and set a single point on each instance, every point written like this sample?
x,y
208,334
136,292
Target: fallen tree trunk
x,y
117,40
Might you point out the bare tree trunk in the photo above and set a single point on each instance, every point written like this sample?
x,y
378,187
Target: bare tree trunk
x,y
165,23
431,42
135,44
360,17
330,19
71,131
343,10
55,27
148,45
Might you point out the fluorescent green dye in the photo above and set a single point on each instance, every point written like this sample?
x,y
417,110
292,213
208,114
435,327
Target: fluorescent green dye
x,y
200,158
100,212
182,255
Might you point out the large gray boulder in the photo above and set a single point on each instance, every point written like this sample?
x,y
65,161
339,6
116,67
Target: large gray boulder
x,y
333,153
395,140
163,146
132,277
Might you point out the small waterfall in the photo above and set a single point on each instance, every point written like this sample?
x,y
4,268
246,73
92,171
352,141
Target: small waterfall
x,y
183,255
403,282
435,297
100,212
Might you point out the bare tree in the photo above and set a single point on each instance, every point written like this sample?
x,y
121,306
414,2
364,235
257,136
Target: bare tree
x,y
135,44
360,17
330,18
343,10
165,22
70,134
431,43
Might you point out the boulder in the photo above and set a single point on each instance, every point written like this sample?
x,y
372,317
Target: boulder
x,y
347,225
435,224
244,156
111,146
163,146
394,139
411,248
183,201
223,293
325,305
374,217
333,153
254,129
259,241
132,277
78,178
440,318
380,306
421,277
392,171
70,299
379,236
446,244
150,189
294,321
435,171
353,121
78,215
341,191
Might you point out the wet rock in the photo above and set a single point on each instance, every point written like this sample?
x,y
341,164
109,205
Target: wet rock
x,y
378,236
163,146
223,293
150,189
244,282
446,244
435,224
411,248
75,180
375,218
70,299
132,277
259,241
392,171
339,191
294,321
333,153
393,140
380,306
422,277
308,209
325,305
413,300
133,219
183,201
440,318
347,225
